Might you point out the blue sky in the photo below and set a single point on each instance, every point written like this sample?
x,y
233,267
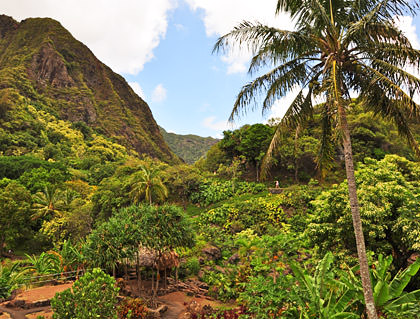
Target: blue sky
x,y
164,50
199,92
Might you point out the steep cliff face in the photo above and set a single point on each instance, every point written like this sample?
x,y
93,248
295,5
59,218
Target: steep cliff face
x,y
42,62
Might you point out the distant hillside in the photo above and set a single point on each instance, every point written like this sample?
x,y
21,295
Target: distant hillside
x,y
47,76
189,147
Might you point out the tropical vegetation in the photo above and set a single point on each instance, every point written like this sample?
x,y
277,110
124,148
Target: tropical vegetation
x,y
339,48
77,204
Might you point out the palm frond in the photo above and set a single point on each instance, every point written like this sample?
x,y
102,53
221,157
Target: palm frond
x,y
284,78
372,16
376,34
275,54
298,112
251,36
375,99
395,54
390,90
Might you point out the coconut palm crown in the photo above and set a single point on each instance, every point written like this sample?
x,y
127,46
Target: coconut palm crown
x,y
338,48
147,182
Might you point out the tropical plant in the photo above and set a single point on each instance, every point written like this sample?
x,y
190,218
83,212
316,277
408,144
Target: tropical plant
x,y
47,202
147,182
71,255
389,294
94,295
267,299
257,213
214,190
322,295
338,48
45,263
15,202
113,240
10,278
388,195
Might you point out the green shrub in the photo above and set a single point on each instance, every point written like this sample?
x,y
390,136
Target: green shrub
x,y
191,266
265,298
213,191
10,278
388,193
256,213
93,296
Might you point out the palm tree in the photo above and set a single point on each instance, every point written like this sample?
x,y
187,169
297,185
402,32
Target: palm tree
x,y
338,48
148,183
47,202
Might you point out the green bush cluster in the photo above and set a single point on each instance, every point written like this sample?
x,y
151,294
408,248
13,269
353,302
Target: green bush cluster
x,y
388,192
94,295
213,191
258,213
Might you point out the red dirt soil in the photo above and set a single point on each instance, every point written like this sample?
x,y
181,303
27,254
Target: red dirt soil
x,y
42,293
175,302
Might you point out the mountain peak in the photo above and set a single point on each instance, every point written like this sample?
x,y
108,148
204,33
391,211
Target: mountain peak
x,y
7,24
42,61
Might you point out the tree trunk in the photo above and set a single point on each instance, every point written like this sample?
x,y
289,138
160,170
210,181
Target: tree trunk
x,y
157,283
150,198
2,244
257,172
297,131
357,222
138,273
164,281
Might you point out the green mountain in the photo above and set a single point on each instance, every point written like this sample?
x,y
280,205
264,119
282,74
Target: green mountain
x,y
189,147
54,90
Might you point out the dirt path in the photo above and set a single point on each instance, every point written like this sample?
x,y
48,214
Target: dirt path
x,y
175,302
41,293
33,295
21,314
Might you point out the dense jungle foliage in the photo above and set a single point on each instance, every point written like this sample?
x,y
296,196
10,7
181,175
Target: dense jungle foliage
x,y
68,214
84,184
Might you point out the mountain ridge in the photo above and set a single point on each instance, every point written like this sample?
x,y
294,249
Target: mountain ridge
x,y
189,147
43,63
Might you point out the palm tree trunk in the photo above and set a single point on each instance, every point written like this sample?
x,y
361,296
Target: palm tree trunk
x,y
149,196
357,222
297,131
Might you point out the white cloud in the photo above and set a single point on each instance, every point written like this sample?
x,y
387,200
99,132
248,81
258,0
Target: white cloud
x,y
137,88
406,25
221,16
159,93
122,34
237,61
211,123
280,107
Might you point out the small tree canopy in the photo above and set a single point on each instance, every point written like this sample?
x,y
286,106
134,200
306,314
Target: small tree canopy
x,y
160,228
